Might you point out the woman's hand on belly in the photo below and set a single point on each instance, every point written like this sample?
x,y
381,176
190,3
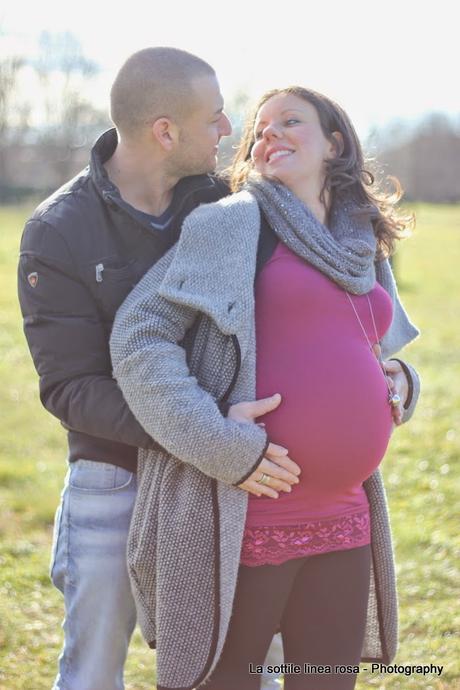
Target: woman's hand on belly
x,y
278,471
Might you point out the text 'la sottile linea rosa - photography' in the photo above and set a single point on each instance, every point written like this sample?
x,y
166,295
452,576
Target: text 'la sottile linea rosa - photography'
x,y
396,669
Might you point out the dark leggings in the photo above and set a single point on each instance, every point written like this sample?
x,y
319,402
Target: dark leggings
x,y
319,603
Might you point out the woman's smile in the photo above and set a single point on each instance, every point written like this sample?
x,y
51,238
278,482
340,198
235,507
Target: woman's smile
x,y
276,153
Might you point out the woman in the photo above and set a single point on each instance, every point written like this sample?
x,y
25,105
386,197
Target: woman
x,y
295,261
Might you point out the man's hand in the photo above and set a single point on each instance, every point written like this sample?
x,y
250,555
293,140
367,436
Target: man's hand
x,y
280,471
249,411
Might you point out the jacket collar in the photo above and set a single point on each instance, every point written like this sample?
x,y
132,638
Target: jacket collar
x,y
104,148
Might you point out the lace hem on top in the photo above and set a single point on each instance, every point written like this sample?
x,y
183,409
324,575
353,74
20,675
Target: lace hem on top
x,y
275,545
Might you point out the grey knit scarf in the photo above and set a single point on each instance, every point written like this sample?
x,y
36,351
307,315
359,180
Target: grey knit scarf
x,y
344,251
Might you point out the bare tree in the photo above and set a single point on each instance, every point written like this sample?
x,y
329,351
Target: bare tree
x,y
425,158
70,120
9,72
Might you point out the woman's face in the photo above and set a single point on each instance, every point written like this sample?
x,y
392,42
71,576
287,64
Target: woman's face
x,y
289,142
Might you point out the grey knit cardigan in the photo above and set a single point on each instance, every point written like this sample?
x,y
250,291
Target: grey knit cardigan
x,y
187,527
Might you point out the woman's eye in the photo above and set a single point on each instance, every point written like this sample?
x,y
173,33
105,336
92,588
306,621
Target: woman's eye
x,y
287,123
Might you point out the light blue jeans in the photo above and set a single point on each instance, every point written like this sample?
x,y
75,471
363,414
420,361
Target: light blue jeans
x,y
88,565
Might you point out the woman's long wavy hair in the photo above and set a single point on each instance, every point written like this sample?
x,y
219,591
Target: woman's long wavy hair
x,y
346,176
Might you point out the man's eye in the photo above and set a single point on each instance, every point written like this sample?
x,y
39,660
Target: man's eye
x,y
292,121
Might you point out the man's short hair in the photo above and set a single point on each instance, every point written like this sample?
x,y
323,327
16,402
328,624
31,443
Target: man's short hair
x,y
152,83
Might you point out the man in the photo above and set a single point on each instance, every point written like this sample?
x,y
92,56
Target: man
x,y
81,253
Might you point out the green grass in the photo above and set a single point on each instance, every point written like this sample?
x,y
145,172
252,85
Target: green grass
x,y
421,471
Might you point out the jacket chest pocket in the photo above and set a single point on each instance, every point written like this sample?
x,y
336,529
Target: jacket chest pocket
x,y
110,281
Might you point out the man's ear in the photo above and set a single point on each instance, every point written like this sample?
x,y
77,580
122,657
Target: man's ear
x,y
337,145
165,132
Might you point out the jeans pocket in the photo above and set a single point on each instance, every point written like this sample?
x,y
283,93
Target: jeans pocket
x,y
58,560
98,477
56,532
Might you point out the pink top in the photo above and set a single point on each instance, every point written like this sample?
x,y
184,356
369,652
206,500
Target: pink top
x,y
334,417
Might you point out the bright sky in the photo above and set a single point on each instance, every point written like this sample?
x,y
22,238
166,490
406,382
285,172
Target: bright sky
x,y
379,60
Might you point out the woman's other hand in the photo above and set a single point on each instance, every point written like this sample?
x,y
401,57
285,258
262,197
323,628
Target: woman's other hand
x,y
397,382
277,469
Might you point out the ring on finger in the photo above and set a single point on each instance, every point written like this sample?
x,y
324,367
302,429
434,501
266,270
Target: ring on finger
x,y
264,479
395,399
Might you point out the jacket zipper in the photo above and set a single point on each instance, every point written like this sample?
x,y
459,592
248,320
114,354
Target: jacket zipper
x,y
99,271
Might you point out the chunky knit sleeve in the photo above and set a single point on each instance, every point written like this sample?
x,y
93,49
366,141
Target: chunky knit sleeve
x,y
151,369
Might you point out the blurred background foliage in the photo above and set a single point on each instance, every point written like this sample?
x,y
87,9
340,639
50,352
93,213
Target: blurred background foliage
x,y
47,128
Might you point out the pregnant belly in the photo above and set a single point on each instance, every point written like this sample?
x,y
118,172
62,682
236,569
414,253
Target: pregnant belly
x,y
334,417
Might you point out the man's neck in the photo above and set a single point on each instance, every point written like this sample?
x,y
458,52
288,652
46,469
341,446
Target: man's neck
x,y
142,180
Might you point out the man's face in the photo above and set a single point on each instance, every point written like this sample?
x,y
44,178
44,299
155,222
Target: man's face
x,y
202,130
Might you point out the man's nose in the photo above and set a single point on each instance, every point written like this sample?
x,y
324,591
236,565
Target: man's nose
x,y
226,126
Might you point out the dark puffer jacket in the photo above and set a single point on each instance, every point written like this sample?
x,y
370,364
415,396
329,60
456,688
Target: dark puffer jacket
x,y
82,252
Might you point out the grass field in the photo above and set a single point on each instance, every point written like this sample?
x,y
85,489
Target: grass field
x,y
421,471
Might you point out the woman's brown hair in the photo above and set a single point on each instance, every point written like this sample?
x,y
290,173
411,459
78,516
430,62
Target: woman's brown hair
x,y
346,176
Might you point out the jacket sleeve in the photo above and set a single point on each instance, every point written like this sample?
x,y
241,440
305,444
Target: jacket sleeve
x,y
151,369
68,343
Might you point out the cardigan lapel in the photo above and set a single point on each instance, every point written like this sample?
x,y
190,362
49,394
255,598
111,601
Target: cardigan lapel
x,y
214,264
